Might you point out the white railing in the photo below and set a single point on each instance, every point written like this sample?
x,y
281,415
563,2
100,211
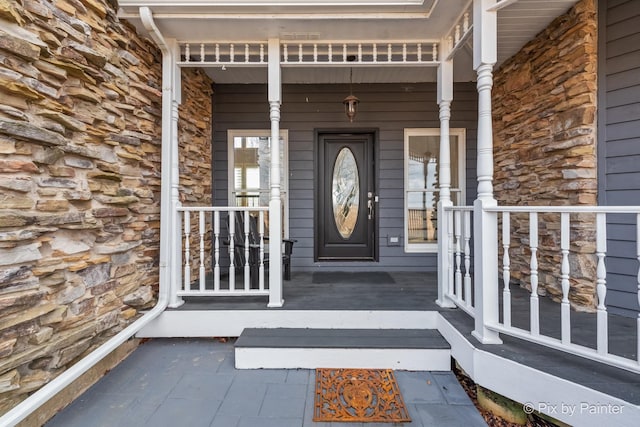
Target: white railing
x,y
364,53
460,33
458,278
247,54
316,53
213,267
558,220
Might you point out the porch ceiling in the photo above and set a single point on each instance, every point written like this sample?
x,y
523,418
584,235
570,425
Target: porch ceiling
x,y
335,20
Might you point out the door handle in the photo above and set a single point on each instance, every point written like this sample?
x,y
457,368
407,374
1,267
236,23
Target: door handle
x,y
371,201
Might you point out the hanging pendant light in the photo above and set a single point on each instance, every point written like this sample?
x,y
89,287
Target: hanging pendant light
x,y
351,102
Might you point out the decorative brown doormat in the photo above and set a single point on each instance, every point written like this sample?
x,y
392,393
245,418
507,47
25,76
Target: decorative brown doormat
x,y
358,395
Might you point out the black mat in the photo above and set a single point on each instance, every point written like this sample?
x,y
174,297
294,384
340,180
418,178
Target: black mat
x,y
328,277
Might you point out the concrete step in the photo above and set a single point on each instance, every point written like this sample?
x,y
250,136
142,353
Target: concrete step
x,y
291,348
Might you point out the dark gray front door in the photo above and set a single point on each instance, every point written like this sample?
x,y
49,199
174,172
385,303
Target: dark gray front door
x,y
345,197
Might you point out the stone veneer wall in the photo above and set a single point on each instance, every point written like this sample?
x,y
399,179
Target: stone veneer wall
x,y
195,159
80,123
545,146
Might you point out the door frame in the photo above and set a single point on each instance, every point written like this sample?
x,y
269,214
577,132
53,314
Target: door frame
x,y
374,132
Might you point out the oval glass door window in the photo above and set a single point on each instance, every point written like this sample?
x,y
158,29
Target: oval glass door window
x,y
345,192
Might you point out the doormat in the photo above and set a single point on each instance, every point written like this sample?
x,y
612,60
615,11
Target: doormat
x,y
367,277
358,395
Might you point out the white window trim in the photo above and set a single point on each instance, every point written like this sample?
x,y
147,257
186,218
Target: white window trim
x,y
461,133
284,167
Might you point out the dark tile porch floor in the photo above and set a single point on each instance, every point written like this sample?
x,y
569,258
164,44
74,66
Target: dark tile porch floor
x,y
169,380
192,382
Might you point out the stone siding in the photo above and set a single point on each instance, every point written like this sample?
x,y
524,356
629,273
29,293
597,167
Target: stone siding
x,y
195,159
80,136
545,146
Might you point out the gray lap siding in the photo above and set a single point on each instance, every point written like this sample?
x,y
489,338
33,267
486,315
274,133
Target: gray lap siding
x,y
389,108
619,145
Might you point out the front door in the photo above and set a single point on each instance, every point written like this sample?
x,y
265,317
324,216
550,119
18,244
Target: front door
x,y
345,197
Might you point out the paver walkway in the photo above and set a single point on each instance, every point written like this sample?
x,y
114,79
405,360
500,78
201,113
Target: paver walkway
x,y
192,382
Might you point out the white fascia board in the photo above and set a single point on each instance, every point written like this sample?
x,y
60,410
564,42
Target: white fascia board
x,y
278,7
271,3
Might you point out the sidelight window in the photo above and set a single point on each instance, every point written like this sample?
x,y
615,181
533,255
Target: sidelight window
x,y
421,184
249,169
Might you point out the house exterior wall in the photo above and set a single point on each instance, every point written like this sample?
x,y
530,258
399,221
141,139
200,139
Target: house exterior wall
x,y
619,144
390,108
545,147
80,123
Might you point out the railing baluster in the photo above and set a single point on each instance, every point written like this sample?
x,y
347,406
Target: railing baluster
x,y
202,233
359,52
300,55
330,53
246,251
315,52
434,52
187,53
375,52
202,56
232,53
216,251
389,53
246,52
344,52
187,255
286,53
261,236
217,52
506,268
458,273
404,52
451,267
261,52
419,52
565,310
601,283
468,298
232,267
534,302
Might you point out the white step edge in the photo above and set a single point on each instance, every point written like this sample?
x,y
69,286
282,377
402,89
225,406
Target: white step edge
x,y
231,323
312,358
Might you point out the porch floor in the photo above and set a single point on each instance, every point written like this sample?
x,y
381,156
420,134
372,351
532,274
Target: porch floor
x,y
192,382
406,291
416,291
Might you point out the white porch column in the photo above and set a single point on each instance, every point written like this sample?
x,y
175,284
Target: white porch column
x,y
485,223
445,96
275,202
